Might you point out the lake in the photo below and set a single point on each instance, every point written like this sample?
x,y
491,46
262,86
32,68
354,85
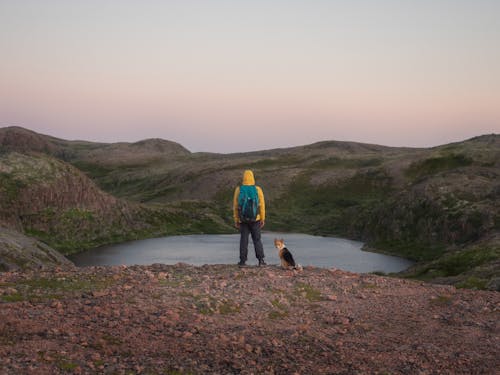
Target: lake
x,y
328,252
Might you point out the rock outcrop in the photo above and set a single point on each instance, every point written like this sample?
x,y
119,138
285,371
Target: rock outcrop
x,y
19,252
53,201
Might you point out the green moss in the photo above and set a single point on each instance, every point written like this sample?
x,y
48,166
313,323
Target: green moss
x,y
473,282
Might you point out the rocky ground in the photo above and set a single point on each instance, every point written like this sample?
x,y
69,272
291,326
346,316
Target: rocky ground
x,y
220,319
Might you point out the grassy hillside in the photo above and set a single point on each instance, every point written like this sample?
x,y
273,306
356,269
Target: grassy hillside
x,y
53,201
424,204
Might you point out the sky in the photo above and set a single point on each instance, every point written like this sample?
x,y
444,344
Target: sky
x,y
230,76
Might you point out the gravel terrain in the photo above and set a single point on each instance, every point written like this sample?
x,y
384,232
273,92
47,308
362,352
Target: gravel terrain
x,y
221,319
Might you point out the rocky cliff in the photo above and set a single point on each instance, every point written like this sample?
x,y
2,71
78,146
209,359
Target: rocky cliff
x,y
53,201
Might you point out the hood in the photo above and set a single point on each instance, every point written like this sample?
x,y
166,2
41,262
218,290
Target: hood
x,y
248,178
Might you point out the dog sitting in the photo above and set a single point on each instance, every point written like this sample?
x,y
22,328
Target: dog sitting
x,y
285,255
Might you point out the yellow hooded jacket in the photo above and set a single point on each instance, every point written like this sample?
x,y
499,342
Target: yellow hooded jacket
x,y
248,179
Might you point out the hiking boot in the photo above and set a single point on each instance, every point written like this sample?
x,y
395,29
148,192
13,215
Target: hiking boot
x,y
262,263
241,264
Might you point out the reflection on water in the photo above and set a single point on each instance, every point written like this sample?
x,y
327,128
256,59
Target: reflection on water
x,y
224,249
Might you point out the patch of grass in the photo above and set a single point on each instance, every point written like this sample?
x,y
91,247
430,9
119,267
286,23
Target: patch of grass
x,y
473,283
77,214
276,303
170,283
205,304
329,209
228,307
66,365
279,310
270,162
77,230
176,372
308,292
277,314
112,340
274,162
456,263
62,362
16,297
410,249
441,300
437,164
63,284
368,285
336,162
39,289
93,170
10,187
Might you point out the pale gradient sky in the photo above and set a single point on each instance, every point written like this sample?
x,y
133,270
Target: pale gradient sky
x,y
228,76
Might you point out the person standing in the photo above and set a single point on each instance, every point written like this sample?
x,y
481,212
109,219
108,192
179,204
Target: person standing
x,y
249,212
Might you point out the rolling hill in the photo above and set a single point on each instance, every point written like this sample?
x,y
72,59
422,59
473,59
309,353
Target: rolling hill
x,y
439,206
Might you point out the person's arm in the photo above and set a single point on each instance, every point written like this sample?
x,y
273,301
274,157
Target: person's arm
x,y
235,206
262,206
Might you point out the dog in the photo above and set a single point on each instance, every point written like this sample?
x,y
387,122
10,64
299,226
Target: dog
x,y
286,257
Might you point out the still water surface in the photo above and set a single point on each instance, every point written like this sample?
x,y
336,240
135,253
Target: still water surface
x,y
224,249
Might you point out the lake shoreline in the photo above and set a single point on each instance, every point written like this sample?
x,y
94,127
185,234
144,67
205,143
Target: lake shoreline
x,y
318,251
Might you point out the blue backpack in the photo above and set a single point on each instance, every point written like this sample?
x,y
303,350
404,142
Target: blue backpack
x,y
248,203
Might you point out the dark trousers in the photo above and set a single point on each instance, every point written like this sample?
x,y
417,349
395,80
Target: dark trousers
x,y
254,230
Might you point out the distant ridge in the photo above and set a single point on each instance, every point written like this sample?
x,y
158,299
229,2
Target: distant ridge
x,y
21,139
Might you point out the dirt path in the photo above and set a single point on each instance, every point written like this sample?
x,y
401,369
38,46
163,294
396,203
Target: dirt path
x,y
223,320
